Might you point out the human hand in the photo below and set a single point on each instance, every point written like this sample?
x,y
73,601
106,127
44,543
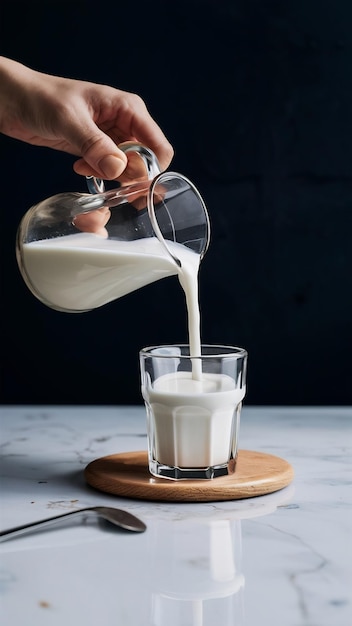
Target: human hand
x,y
85,119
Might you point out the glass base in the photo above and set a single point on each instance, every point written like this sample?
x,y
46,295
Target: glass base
x,y
194,473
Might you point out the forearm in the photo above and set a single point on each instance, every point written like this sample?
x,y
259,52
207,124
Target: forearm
x,y
29,101
15,81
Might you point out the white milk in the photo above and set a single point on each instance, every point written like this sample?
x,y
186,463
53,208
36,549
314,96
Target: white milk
x,y
192,420
81,272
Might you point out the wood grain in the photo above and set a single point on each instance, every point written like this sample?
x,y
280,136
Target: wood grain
x,y
127,474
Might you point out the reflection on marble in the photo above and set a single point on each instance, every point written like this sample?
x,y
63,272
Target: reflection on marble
x,y
195,573
280,559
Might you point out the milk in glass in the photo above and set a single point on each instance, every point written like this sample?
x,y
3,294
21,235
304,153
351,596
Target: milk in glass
x,y
192,420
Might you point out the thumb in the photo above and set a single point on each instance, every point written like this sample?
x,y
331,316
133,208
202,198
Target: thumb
x,y
100,156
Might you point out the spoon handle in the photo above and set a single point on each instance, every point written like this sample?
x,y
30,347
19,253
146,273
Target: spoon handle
x,y
21,530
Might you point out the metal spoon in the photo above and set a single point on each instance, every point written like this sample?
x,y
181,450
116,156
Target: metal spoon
x,y
118,517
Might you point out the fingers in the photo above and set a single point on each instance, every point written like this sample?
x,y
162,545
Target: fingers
x,y
154,139
117,165
110,167
102,158
125,119
150,134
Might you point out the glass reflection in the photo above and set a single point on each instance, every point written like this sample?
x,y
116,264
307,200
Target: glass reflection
x,y
195,573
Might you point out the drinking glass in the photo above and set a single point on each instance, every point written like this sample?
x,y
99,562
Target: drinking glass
x,y
193,407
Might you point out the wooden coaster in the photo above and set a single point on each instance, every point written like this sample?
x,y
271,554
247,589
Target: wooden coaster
x,y
127,475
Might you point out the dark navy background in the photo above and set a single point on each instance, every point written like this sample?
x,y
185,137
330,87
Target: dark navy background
x,y
256,98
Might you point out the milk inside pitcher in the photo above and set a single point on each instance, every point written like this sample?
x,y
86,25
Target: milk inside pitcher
x,y
79,251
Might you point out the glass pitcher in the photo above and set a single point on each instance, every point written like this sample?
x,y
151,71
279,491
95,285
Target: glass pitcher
x,y
79,251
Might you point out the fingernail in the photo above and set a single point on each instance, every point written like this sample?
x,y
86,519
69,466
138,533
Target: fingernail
x,y
111,166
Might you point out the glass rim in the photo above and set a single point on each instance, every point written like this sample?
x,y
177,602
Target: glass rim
x,y
233,351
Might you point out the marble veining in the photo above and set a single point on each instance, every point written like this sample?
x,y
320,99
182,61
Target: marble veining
x,y
281,559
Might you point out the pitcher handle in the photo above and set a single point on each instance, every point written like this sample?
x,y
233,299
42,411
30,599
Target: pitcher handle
x,y
96,185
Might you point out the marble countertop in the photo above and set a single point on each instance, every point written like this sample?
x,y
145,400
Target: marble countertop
x,y
283,559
